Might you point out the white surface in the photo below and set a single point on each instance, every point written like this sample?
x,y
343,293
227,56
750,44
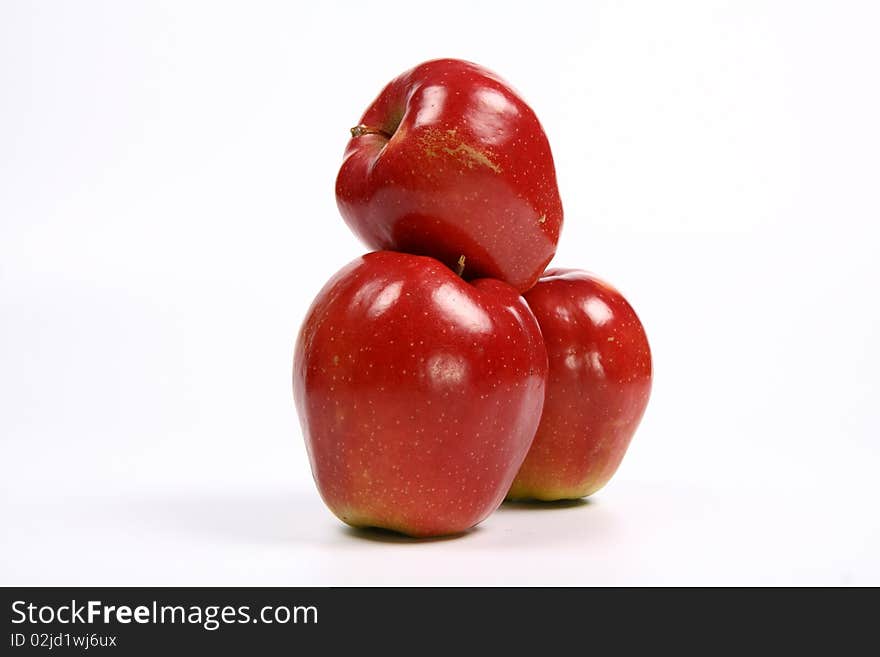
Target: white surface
x,y
167,214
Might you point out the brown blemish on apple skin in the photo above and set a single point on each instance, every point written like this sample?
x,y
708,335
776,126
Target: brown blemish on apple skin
x,y
473,157
434,142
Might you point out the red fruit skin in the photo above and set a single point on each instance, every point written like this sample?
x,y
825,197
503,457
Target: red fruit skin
x,y
467,171
418,393
599,384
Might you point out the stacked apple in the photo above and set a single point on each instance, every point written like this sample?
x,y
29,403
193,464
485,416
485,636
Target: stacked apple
x,y
447,370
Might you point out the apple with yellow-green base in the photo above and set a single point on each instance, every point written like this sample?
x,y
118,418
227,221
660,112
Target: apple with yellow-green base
x,y
419,393
597,389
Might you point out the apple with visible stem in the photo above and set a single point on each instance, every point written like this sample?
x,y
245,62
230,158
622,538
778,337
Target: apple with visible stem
x,y
449,161
418,392
597,390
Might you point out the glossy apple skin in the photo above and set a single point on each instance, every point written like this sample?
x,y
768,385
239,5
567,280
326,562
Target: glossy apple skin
x,y
467,170
418,393
599,383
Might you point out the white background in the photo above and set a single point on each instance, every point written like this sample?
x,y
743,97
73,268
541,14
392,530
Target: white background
x,y
167,215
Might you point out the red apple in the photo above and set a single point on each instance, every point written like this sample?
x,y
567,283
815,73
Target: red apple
x,y
418,393
597,390
449,161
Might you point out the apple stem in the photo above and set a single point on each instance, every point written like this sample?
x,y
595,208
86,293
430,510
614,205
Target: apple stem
x,y
460,269
361,130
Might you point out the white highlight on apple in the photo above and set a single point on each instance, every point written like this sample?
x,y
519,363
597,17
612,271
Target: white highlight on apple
x,y
385,299
432,106
598,311
490,115
460,309
447,369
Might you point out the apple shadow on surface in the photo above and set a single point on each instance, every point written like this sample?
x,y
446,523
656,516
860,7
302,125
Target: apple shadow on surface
x,y
379,535
284,517
538,505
